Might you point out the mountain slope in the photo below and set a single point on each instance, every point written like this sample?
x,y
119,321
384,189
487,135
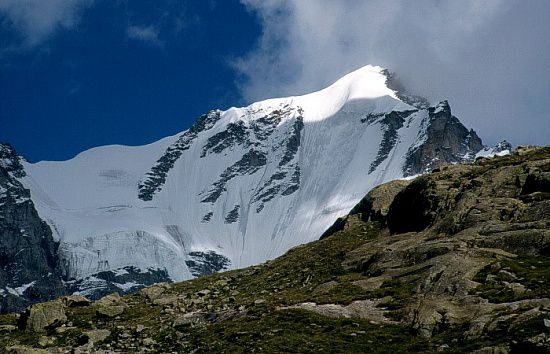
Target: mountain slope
x,y
28,251
240,186
467,271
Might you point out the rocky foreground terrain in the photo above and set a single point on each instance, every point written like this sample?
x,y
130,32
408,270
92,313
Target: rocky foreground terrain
x,y
457,260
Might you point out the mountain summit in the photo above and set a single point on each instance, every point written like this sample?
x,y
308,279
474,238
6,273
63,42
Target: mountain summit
x,y
239,187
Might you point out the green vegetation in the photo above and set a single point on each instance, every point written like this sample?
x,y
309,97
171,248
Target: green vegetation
x,y
514,279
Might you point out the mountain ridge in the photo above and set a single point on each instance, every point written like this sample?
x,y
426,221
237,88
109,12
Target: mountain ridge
x,y
240,186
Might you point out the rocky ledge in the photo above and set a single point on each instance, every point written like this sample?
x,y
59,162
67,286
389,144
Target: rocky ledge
x,y
454,261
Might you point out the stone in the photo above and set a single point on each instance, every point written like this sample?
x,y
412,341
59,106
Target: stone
x,y
111,311
7,328
190,318
325,288
153,292
46,341
75,301
203,292
259,301
166,301
140,328
96,335
110,305
149,342
43,315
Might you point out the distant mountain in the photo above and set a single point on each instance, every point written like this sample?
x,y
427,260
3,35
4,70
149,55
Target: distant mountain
x,y
239,187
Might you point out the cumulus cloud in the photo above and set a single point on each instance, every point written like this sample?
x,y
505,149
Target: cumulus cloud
x,y
148,34
489,58
38,19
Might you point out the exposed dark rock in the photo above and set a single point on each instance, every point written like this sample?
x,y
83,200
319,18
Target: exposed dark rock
x,y
446,141
293,141
124,281
207,217
250,162
502,146
157,176
28,252
233,215
412,209
294,182
261,129
204,263
391,123
371,118
536,182
235,133
10,161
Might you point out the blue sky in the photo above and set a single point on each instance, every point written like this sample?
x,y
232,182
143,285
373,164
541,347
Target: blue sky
x,y
127,73
84,73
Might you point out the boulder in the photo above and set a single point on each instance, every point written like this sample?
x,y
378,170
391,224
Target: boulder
x,y
75,301
41,316
110,305
96,335
154,292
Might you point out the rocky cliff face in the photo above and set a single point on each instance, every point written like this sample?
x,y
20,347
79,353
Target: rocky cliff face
x,y
28,253
454,261
446,141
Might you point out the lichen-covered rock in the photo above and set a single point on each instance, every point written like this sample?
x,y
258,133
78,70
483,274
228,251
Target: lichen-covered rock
x,y
155,291
43,315
96,335
110,306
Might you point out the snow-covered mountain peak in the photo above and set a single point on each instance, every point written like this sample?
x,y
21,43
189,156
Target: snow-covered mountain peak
x,y
364,88
243,185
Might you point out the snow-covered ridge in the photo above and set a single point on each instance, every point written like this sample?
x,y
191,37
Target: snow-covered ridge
x,y
242,185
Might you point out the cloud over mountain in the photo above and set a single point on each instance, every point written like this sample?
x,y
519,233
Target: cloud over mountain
x,y
479,54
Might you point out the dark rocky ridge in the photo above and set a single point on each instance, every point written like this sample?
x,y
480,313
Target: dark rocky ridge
x,y
28,252
446,141
157,176
391,123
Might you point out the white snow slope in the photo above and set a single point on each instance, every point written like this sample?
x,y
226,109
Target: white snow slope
x,y
249,208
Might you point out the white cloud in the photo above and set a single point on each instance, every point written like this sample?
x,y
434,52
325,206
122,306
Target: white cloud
x,y
148,34
485,56
38,19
